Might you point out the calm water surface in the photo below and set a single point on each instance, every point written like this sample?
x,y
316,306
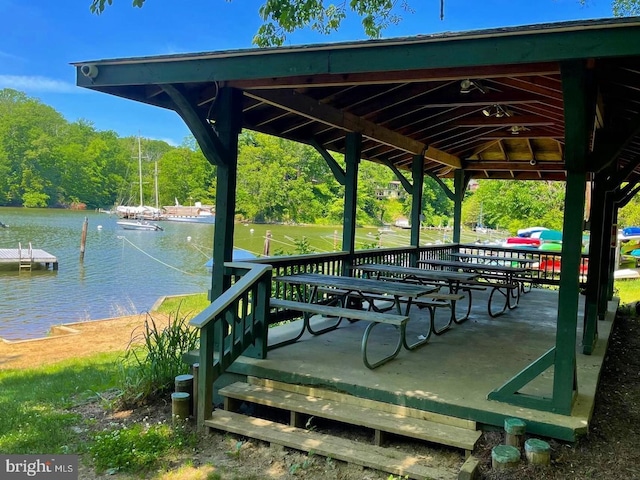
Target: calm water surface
x,y
123,271
126,272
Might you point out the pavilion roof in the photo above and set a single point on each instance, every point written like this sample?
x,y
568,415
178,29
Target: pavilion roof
x,y
488,101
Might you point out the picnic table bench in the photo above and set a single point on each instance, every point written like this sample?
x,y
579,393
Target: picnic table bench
x,y
454,281
344,287
504,280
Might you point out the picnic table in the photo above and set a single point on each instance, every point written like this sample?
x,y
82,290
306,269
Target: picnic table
x,y
504,280
455,281
507,260
312,286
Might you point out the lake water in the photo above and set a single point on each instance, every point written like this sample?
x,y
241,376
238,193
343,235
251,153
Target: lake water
x,y
124,271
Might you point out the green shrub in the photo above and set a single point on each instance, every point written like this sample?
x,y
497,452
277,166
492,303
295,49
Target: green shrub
x,y
138,447
149,370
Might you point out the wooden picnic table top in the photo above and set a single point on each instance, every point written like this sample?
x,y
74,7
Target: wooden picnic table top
x,y
366,285
421,273
493,258
473,267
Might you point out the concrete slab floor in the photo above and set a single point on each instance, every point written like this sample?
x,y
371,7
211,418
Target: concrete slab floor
x,y
454,372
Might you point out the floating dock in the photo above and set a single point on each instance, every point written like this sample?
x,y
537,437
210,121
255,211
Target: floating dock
x,y
27,258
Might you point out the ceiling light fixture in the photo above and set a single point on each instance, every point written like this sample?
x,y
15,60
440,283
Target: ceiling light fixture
x,y
516,129
467,85
497,111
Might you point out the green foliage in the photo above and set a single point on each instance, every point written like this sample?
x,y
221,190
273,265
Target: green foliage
x,y
138,447
193,304
33,403
280,17
628,291
625,8
515,204
149,370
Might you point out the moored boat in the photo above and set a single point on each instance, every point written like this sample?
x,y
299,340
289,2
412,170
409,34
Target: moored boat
x,y
138,225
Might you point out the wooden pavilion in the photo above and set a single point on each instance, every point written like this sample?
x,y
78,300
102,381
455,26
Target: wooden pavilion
x,y
541,102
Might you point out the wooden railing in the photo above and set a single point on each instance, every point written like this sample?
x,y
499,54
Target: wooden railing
x,y
545,269
234,324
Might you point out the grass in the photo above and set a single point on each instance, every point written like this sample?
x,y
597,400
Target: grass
x,y
188,305
34,402
627,290
149,369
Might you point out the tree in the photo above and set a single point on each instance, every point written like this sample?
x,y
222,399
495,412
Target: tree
x,y
281,17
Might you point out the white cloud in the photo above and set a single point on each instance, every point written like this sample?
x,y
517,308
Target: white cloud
x,y
37,84
7,55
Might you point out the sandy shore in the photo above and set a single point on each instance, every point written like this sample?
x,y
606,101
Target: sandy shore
x,y
73,340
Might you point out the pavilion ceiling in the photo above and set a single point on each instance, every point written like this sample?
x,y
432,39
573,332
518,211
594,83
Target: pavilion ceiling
x,y
495,111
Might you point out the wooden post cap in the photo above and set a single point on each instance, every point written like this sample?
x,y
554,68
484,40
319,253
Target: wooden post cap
x,y
180,403
537,451
536,445
514,426
184,379
504,456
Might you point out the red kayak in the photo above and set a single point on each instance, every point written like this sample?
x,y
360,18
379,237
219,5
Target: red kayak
x,y
533,242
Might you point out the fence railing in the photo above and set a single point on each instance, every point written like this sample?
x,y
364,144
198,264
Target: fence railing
x,y
234,324
544,268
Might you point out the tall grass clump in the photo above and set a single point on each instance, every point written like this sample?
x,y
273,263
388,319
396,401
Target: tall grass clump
x,y
154,358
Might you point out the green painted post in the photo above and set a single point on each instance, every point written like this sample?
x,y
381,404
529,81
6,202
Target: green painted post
x,y
459,187
352,160
228,125
578,103
612,256
596,254
417,168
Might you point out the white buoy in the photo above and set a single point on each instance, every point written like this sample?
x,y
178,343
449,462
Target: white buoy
x,y
99,227
188,238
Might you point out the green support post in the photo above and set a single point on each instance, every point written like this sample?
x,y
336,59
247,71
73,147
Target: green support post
x,y
596,253
579,101
564,380
417,168
228,126
612,254
579,104
352,160
460,186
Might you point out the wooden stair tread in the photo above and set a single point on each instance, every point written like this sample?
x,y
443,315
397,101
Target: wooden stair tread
x,y
389,460
343,398
355,415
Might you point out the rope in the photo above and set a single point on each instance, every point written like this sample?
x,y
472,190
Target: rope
x,y
154,258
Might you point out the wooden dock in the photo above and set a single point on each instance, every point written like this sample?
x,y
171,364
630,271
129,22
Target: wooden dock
x,y
27,258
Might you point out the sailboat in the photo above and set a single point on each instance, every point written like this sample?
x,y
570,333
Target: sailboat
x,y
137,217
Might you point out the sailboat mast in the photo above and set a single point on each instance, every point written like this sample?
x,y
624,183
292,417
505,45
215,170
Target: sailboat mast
x,y
140,170
156,185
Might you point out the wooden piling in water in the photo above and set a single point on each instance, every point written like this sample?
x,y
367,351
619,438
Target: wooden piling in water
x,y
83,240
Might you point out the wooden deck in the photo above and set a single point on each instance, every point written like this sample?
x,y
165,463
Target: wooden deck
x,y
24,256
452,374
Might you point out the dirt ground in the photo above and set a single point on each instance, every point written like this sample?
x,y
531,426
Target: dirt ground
x,y
609,451
73,340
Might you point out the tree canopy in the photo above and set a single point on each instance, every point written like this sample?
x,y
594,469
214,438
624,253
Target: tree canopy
x,y
281,17
46,161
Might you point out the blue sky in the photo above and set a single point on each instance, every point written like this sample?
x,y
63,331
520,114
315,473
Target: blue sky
x,y
41,37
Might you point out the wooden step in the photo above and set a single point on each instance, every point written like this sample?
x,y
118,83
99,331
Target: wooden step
x,y
344,398
389,460
377,420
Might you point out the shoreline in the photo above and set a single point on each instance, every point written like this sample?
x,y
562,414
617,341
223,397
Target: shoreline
x,y
74,340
